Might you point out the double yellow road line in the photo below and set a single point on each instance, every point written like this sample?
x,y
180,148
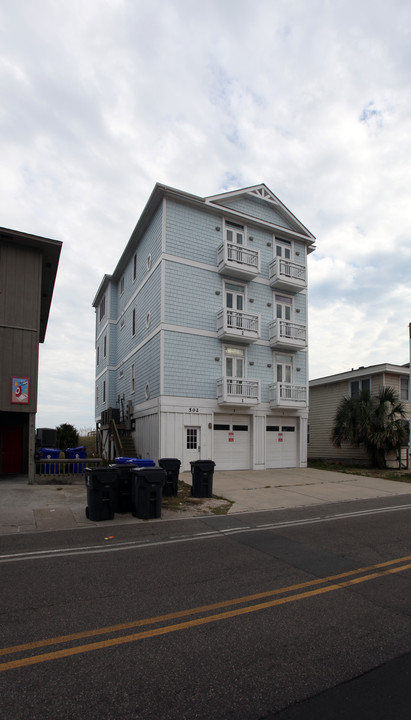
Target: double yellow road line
x,y
248,603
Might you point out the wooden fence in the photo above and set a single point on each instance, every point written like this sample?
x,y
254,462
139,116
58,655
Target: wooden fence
x,y
63,471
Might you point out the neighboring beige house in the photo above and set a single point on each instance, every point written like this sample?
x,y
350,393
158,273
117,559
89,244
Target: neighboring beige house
x,y
327,392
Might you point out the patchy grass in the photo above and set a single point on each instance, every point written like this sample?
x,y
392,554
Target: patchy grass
x,y
184,501
386,474
222,509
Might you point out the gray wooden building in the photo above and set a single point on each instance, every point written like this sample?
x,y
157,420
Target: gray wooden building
x,y
28,267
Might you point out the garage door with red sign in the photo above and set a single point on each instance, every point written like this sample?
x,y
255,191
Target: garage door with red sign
x,y
232,438
281,443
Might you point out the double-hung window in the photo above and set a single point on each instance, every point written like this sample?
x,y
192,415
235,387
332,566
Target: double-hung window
x,y
404,389
357,386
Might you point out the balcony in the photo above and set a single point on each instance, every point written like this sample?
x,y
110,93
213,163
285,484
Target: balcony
x,y
236,391
289,336
238,326
238,261
285,395
287,275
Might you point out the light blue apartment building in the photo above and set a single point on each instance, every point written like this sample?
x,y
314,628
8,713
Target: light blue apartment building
x,y
201,332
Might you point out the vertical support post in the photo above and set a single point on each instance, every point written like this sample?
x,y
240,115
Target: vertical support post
x,y
32,447
409,400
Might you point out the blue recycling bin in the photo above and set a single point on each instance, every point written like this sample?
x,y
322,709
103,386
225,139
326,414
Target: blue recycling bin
x,y
76,454
137,462
49,454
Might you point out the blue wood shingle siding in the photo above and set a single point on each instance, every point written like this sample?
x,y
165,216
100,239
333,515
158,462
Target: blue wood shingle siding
x,y
190,368
191,233
258,209
185,290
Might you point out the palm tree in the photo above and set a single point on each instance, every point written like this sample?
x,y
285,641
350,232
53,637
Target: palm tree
x,y
375,421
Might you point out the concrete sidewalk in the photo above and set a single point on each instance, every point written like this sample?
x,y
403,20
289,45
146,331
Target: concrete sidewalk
x,y
30,508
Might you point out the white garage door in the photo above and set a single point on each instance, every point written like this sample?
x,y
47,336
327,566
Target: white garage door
x,y
281,443
232,439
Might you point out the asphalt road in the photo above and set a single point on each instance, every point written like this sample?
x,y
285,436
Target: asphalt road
x,y
288,614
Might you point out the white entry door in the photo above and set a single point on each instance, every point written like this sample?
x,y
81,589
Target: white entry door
x,y
192,446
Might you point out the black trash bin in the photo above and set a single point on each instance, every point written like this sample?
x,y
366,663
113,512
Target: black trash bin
x,y
202,472
146,492
101,484
172,468
124,486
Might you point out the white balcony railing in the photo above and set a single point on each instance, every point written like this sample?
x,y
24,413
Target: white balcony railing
x,y
236,325
238,261
236,391
287,275
285,335
287,395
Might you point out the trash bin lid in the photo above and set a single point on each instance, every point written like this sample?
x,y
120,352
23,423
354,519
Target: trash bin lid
x,y
170,463
124,460
149,475
209,464
50,452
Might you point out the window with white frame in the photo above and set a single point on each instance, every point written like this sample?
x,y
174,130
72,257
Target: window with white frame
x,y
191,439
404,389
105,346
360,385
283,248
133,377
235,237
134,266
133,322
104,391
234,233
98,355
234,362
283,313
234,303
122,286
284,374
284,368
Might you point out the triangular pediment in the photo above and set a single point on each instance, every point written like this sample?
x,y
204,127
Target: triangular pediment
x,y
260,203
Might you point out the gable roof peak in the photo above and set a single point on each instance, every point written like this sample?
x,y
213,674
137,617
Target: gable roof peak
x,y
261,191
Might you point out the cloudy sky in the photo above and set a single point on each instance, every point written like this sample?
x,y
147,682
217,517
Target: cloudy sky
x,y
101,99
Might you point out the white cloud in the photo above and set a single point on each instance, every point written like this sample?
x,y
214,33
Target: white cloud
x,y
102,99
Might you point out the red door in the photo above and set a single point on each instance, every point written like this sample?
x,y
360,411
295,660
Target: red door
x,y
12,450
